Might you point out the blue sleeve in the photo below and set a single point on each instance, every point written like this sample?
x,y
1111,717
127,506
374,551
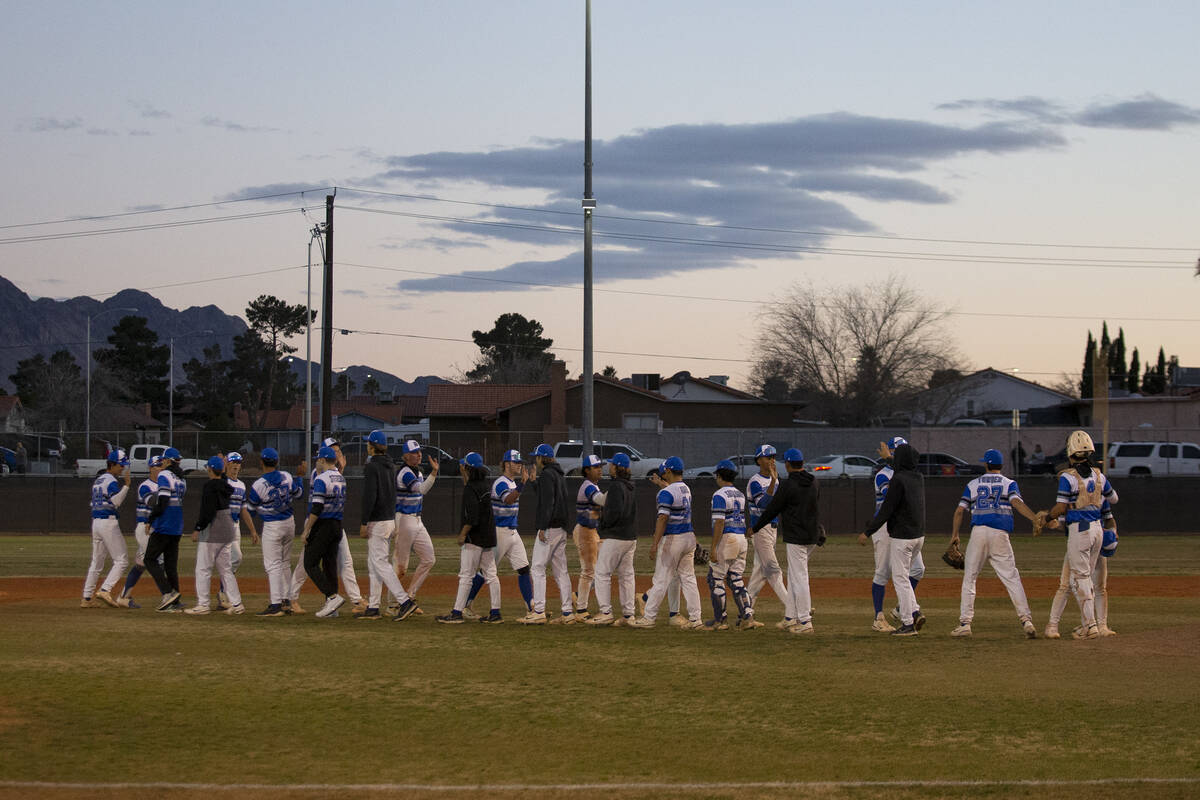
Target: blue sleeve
x,y
1064,489
718,502
881,483
164,484
591,490
408,477
297,487
318,491
1013,490
114,486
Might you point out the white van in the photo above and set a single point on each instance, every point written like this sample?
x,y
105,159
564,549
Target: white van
x,y
1143,459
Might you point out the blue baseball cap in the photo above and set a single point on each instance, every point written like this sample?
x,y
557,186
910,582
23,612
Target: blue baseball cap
x,y
171,454
896,441
725,463
119,457
269,455
472,459
377,437
234,458
591,460
327,453
410,446
793,456
673,464
512,457
620,460
216,464
154,461
543,450
764,450
993,458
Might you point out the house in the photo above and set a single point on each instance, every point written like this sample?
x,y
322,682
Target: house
x,y
12,414
988,394
356,416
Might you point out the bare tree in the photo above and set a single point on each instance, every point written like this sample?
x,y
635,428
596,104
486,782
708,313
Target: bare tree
x,y
853,352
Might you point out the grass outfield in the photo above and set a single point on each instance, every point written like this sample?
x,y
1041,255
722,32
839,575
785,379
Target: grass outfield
x,y
104,696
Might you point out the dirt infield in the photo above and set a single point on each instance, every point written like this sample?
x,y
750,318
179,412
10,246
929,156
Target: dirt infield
x,y
16,590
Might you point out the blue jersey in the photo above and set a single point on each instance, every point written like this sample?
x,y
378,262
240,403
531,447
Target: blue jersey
x,y
675,503
172,487
329,489
988,499
271,495
1084,497
408,491
585,507
146,492
729,506
758,497
237,499
104,488
504,513
882,479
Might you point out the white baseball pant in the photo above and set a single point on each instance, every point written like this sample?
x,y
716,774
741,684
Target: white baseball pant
x,y
587,542
615,558
411,537
731,563
345,563
471,559
141,535
235,551
881,544
510,546
903,554
797,580
1083,548
277,537
107,541
208,555
675,558
991,545
1100,583
379,568
767,571
552,552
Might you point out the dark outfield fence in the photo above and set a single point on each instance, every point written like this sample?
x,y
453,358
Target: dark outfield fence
x,y
59,504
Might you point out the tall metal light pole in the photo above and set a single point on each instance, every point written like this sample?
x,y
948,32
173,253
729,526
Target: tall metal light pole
x,y
171,395
589,206
87,440
313,234
327,323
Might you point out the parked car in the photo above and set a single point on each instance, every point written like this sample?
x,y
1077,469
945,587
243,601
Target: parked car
x,y
842,466
356,455
569,456
1143,459
746,467
946,464
138,454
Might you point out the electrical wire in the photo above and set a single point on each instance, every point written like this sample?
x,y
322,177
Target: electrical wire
x,y
51,237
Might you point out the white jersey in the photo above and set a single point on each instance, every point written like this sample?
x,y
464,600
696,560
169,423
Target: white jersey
x,y
675,503
729,506
758,497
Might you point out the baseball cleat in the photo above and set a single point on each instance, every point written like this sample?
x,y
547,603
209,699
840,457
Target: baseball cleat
x,y
905,630
88,602
601,619
786,624
222,601
175,608
716,625
895,615
964,629
1051,632
582,615
359,605
236,610
1106,631
1029,629
104,595
468,613
678,620
295,606
127,602
693,625
567,618
406,610
533,618
417,603
453,618
273,610
802,628
640,602
642,622
1090,632
493,618
198,610
749,623
332,604
167,600
368,613
881,624
918,619
623,622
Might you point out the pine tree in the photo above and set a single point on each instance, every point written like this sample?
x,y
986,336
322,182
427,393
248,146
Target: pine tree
x,y
1089,357
1116,361
1155,381
1135,369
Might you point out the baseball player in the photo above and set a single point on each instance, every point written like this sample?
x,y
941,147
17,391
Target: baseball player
x,y
1099,577
146,492
990,500
237,510
618,543
166,529
674,618
271,498
411,535
1082,492
795,503
107,541
589,501
767,572
345,558
903,511
323,530
673,530
506,495
377,527
728,552
215,532
550,545
477,538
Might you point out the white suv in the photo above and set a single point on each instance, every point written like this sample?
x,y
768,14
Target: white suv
x,y
1143,459
569,456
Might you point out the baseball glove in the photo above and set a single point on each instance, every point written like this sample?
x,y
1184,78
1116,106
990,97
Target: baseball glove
x,y
700,556
821,537
954,557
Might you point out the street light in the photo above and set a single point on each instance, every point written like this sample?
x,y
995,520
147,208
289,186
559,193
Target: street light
x,y
171,373
87,440
315,233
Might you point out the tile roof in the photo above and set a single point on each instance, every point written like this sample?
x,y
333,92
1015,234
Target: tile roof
x,y
478,399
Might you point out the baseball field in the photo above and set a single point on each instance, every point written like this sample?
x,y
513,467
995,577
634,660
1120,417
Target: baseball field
x,y
108,703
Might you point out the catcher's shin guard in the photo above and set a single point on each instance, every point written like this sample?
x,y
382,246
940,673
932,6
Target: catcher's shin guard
x,y
741,597
716,588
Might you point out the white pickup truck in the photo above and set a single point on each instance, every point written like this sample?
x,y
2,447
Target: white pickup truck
x,y
138,455
569,456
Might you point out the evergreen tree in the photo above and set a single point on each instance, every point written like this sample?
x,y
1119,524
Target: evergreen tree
x,y
513,351
1116,361
1135,369
1155,381
135,367
1089,358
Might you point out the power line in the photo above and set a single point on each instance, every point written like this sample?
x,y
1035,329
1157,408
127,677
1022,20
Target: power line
x,y
205,280
50,237
739,300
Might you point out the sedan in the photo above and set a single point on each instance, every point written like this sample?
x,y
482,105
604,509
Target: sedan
x,y
746,468
946,464
842,466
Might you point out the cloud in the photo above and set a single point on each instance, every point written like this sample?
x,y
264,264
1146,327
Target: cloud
x,y
236,127
139,132
43,124
1038,108
317,191
101,132
1147,112
149,111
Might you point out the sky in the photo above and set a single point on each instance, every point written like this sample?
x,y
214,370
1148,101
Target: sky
x,y
1028,168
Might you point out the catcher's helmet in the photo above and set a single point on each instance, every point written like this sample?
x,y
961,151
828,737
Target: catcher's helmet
x,y
1080,443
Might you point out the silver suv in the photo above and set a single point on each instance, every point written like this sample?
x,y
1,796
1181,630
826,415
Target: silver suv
x,y
1143,459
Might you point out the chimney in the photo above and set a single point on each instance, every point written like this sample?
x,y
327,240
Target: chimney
x,y
556,425
146,410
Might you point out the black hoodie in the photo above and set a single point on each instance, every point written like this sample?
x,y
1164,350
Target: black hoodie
x,y
795,503
551,488
903,507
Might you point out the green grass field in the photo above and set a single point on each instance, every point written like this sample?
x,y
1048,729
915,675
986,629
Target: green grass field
x,y
105,696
